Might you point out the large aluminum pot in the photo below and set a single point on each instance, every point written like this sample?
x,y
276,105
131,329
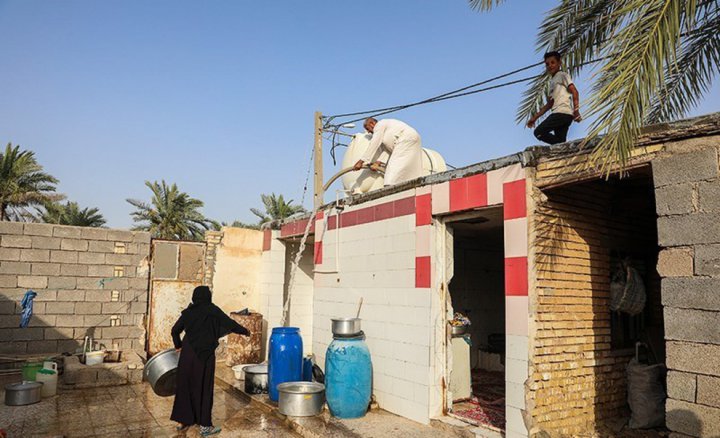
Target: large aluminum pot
x,y
160,372
23,393
301,399
345,326
256,379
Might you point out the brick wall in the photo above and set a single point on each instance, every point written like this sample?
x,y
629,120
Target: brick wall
x,y
213,239
688,205
577,377
89,281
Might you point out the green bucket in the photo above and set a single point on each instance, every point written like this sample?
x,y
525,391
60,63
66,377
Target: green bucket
x,y
30,369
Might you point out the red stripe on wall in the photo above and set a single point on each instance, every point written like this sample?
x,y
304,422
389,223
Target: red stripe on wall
x,y
423,210
296,228
318,253
514,201
469,192
267,240
387,210
422,272
516,276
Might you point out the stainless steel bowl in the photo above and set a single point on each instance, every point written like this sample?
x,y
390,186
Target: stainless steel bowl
x,y
256,379
346,326
301,399
458,330
160,372
22,393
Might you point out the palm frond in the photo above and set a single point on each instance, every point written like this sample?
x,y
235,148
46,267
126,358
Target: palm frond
x,y
484,5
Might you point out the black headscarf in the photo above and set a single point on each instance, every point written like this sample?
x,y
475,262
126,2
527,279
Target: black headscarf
x,y
204,323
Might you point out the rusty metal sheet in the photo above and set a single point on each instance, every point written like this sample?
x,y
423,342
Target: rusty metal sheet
x,y
167,300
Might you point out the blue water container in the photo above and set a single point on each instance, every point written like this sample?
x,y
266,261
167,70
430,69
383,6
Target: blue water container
x,y
307,369
285,362
348,377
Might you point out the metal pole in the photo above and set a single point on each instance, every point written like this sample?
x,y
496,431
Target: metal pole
x,y
318,181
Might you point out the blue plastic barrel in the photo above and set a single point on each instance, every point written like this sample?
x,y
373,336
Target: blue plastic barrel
x,y
348,377
307,369
285,358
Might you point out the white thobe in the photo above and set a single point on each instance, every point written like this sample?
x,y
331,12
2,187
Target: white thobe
x,y
404,146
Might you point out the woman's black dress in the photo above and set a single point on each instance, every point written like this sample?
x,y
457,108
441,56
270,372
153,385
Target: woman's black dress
x,y
203,323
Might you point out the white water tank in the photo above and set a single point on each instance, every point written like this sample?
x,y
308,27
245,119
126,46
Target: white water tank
x,y
366,180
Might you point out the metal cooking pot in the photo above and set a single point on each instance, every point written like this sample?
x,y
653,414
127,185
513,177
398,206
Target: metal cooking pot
x,y
458,330
256,379
301,399
23,393
160,372
346,326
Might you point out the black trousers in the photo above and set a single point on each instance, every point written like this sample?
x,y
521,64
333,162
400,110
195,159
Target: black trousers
x,y
554,129
194,392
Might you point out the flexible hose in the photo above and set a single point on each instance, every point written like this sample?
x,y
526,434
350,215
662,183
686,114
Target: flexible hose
x,y
344,171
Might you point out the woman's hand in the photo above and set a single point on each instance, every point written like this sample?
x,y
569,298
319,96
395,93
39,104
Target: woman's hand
x,y
177,350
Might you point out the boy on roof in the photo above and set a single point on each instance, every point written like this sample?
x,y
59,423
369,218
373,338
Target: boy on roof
x,y
554,129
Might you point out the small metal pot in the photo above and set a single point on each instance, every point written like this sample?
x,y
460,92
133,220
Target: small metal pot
x,y
160,372
346,326
23,393
301,399
458,330
256,379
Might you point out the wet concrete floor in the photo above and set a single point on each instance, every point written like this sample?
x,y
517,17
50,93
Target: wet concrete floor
x,y
130,411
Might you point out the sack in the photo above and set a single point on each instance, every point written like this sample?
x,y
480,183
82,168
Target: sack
x,y
646,395
627,291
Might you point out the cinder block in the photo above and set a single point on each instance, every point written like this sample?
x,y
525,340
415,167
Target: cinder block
x,y
7,307
41,242
8,281
7,267
60,308
58,256
12,347
674,199
67,231
91,258
7,227
116,332
691,293
10,254
708,390
692,325
70,270
709,196
100,271
35,255
687,167
89,283
93,233
32,282
45,269
693,357
71,295
42,346
707,260
119,259
96,321
692,419
113,308
695,228
74,245
35,229
66,283
69,345
142,237
27,334
681,386
675,262
88,308
45,295
60,332
97,295
9,321
69,321
10,241
120,236
101,246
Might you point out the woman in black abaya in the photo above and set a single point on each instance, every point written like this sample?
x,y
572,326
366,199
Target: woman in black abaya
x,y
203,323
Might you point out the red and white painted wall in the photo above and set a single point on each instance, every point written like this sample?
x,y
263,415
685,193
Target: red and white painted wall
x,y
389,251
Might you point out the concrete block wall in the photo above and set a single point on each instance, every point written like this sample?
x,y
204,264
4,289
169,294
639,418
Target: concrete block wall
x,y
272,281
88,281
687,189
301,301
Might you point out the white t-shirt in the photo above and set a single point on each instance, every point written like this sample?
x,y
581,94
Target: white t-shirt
x,y
562,99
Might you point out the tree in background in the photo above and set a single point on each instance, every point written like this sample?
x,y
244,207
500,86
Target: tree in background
x,y
71,214
657,58
171,214
276,208
23,184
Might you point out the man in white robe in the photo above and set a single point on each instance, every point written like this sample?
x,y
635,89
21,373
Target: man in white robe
x,y
402,143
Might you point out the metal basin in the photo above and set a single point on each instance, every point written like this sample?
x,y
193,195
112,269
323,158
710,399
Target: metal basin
x,y
160,372
301,399
458,330
23,393
346,326
256,379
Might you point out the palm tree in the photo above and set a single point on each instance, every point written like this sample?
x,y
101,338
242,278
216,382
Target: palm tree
x,y
276,208
71,214
655,61
23,184
171,214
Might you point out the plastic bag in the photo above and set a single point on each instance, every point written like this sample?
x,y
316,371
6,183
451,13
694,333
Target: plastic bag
x,y
627,291
646,395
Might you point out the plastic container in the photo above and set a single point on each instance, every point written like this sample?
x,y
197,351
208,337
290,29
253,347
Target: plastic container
x,y
285,362
348,377
30,369
307,375
49,379
94,357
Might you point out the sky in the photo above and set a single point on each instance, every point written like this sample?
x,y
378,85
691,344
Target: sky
x,y
219,96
